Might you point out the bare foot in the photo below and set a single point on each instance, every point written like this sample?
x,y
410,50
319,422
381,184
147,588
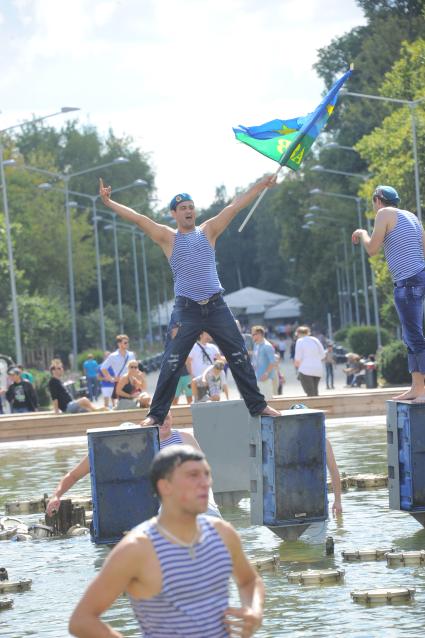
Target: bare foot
x,y
150,420
268,411
407,396
420,399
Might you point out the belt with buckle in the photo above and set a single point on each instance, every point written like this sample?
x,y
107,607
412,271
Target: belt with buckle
x,y
203,302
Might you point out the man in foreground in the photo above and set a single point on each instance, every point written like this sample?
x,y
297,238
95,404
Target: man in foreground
x,y
176,567
199,304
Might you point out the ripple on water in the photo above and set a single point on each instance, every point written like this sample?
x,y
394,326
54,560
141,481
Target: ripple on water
x,y
61,569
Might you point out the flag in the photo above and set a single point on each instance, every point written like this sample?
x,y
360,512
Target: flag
x,y
288,141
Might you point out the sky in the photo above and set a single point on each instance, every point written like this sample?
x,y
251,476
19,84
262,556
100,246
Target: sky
x,y
175,75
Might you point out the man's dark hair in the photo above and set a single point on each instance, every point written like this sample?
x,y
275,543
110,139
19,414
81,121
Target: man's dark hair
x,y
172,456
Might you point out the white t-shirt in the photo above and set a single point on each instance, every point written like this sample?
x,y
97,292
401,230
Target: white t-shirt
x,y
117,362
200,361
310,353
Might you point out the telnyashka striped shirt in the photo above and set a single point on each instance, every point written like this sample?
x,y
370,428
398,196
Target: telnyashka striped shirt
x,y
403,247
175,438
193,265
194,591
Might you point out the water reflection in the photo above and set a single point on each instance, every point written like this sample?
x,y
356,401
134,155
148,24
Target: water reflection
x,y
61,569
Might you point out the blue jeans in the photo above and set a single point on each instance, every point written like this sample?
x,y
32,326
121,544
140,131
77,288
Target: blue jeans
x,y
409,297
329,375
188,320
92,387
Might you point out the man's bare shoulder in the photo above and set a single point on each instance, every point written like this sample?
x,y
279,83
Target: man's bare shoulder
x,y
135,542
225,529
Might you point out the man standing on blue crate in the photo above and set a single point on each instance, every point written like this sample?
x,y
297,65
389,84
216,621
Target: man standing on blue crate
x,y
176,567
403,238
199,304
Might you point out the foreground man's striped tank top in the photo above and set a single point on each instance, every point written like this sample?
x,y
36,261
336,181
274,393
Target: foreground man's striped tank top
x,y
194,591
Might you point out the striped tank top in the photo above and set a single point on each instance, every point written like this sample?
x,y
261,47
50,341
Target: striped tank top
x,y
194,591
174,439
193,265
403,247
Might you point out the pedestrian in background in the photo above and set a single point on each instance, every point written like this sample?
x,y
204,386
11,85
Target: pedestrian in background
x,y
90,367
330,361
263,361
309,356
20,393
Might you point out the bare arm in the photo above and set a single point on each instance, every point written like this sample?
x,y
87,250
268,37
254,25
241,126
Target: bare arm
x,y
189,439
66,482
216,225
119,391
55,403
335,478
159,233
189,365
245,620
373,244
119,570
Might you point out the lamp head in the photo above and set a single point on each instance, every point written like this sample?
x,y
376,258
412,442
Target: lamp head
x,y
69,109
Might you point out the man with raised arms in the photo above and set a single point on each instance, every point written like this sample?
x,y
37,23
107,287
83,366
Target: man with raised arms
x,y
176,567
199,304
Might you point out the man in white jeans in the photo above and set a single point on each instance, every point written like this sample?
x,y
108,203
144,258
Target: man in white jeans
x,y
309,356
263,361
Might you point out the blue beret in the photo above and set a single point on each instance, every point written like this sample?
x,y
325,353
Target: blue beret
x,y
177,199
388,193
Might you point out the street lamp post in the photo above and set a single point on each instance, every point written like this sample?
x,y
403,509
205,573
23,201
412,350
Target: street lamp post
x,y
412,104
345,274
93,199
318,191
135,232
137,289
65,177
145,276
12,274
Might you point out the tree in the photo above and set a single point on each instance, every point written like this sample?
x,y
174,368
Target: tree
x,y
388,148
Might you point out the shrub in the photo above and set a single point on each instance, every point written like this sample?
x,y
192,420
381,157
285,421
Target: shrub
x,y
41,380
363,339
392,362
340,336
97,354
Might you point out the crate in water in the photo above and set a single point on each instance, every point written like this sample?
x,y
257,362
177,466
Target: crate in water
x,y
406,455
120,459
288,469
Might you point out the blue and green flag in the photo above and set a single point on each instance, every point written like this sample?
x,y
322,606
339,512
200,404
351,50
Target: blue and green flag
x,y
288,141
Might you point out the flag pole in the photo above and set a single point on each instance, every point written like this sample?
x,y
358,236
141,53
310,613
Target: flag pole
x,y
257,201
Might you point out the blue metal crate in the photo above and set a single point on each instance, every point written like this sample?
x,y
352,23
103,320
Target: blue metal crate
x,y
411,455
120,459
292,465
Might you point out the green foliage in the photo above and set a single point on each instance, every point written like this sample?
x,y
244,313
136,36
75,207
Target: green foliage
x,y
340,336
41,381
363,339
392,363
274,252
97,354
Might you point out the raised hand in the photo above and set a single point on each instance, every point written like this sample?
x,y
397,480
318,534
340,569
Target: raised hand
x,y
104,192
